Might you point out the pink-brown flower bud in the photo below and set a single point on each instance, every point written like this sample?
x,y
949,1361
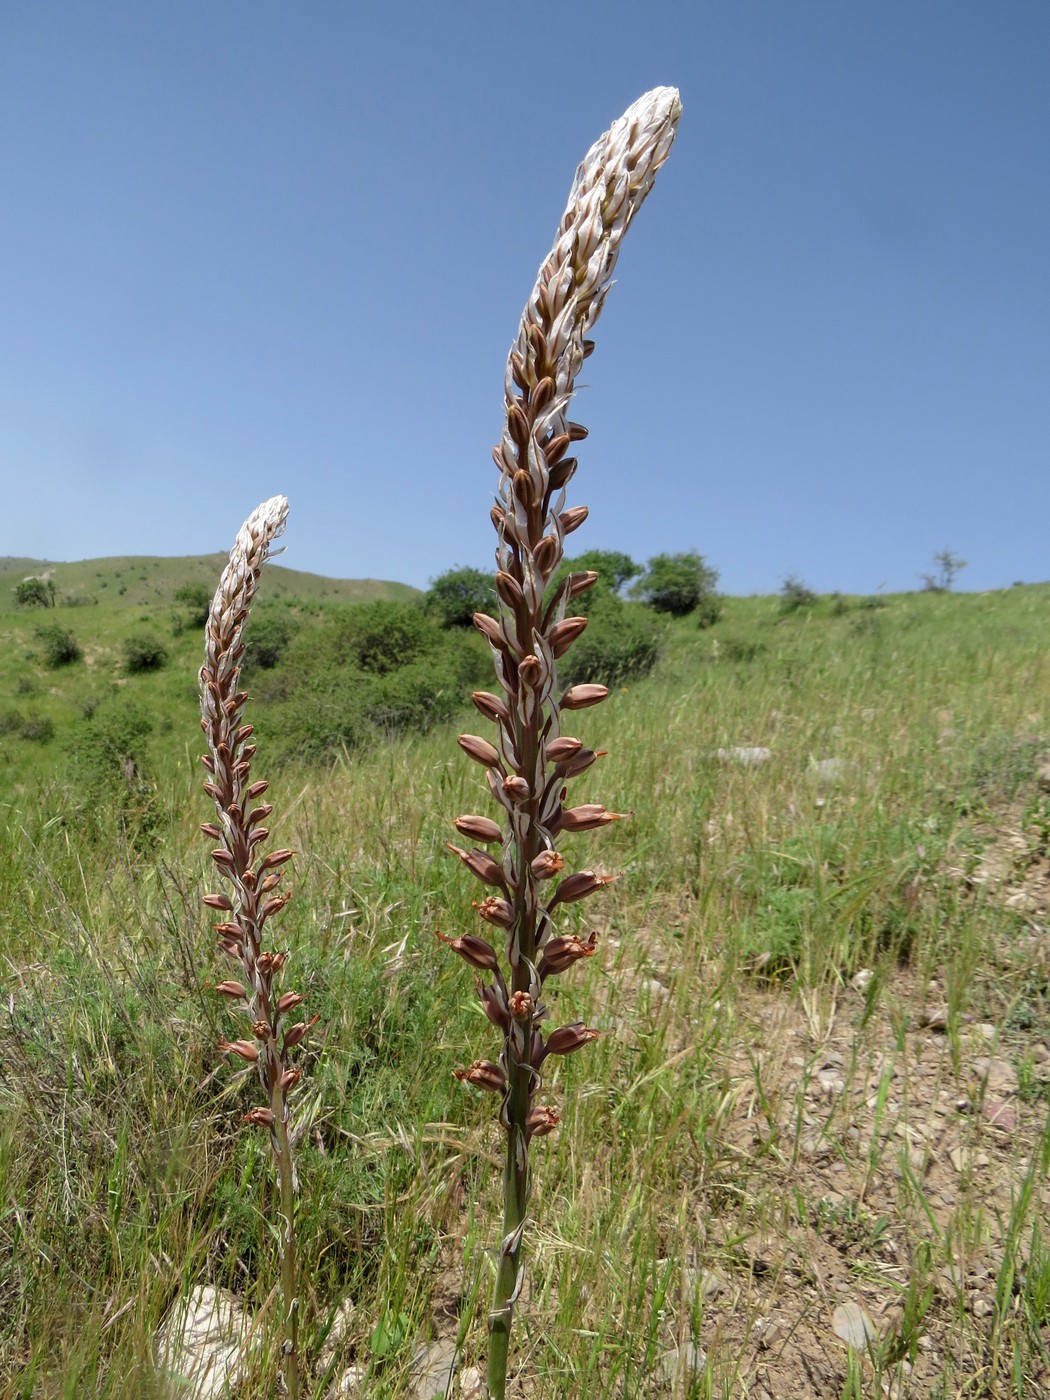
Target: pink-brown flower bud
x,y
521,1006
261,1029
294,1034
478,828
229,989
210,829
579,697
566,1039
587,817
547,553
491,706
289,1001
481,864
218,901
564,633
530,670
563,473
546,864
244,1048
541,1120
573,518
558,750
561,952
509,589
261,1117
494,1005
581,762
273,906
473,950
495,911
517,789
290,1078
275,858
556,449
579,886
483,1074
480,750
581,582
490,630
257,789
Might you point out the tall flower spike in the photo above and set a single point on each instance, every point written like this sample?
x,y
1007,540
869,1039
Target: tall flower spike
x,y
251,878
529,763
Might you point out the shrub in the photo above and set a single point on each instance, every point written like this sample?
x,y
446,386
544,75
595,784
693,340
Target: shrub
x,y
195,597
144,651
267,639
35,593
39,729
61,647
795,595
678,584
621,643
456,595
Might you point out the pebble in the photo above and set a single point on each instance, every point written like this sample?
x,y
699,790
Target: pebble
x,y
747,755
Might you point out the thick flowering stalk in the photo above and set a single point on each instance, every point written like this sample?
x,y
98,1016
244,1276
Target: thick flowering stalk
x,y
530,761
251,879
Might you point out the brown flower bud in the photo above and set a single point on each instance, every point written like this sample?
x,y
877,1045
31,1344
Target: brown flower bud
x,y
491,706
473,950
494,1005
478,828
261,1117
566,1039
579,886
542,394
541,1120
580,582
223,858
564,633
587,817
257,789
261,1030
229,989
573,518
524,487
480,750
579,697
496,515
290,1078
546,864
273,905
517,789
577,432
563,472
509,589
483,1074
518,425
218,901
289,1001
546,555
274,858
495,911
561,952
489,629
244,1048
556,449
581,762
210,829
520,1006
294,1034
481,864
258,814
530,670
558,750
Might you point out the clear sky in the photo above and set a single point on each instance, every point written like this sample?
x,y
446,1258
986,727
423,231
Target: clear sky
x,y
257,247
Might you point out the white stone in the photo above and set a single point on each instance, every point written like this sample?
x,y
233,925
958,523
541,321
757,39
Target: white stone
x,y
200,1346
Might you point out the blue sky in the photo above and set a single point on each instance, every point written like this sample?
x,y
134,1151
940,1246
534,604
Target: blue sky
x,y
255,247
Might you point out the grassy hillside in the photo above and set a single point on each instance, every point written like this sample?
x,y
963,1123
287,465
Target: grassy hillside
x,y
821,1093
144,581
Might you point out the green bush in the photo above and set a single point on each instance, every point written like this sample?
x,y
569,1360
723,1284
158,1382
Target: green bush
x,y
267,639
144,651
35,593
680,584
621,643
456,595
38,729
197,598
61,647
795,595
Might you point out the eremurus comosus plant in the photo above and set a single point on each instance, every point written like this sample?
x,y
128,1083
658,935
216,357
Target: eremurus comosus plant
x,y
531,760
250,898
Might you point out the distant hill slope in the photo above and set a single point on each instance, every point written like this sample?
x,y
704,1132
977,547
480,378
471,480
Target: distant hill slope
x,y
136,581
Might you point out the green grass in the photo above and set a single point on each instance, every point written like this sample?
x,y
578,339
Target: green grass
x,y
693,1148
